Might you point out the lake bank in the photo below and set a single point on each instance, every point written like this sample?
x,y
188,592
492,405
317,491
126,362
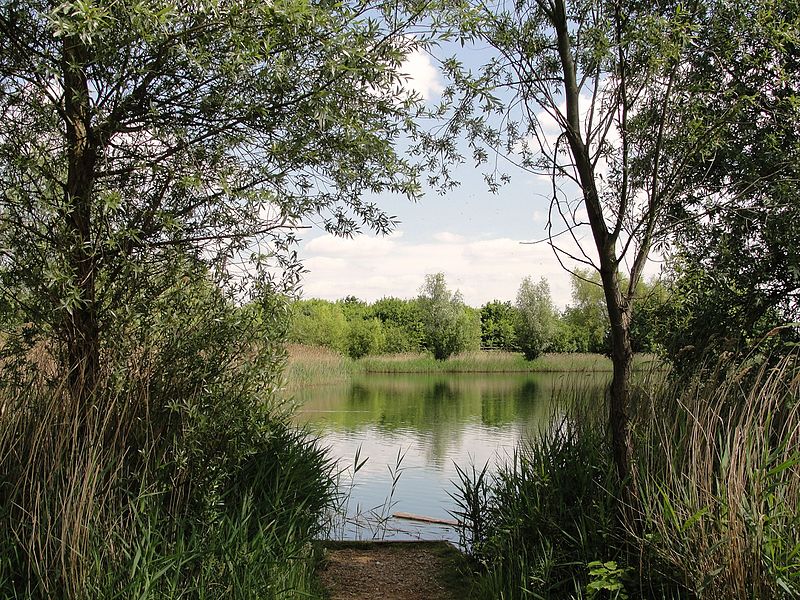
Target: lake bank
x,y
316,365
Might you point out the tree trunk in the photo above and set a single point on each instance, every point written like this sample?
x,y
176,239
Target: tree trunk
x,y
619,396
617,305
80,325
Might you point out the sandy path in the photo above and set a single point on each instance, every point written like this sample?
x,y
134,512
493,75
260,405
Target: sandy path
x,y
393,571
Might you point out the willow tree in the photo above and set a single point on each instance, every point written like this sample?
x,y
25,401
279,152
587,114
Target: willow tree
x,y
137,132
449,326
536,318
590,95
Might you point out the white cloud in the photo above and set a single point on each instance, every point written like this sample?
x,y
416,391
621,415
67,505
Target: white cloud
x,y
483,269
422,76
448,238
330,246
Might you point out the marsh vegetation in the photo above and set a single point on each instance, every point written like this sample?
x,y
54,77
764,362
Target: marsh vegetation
x,y
157,161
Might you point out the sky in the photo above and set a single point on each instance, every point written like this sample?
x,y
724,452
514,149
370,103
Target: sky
x,y
485,243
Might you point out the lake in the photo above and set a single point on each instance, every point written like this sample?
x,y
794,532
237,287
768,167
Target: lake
x,y
414,429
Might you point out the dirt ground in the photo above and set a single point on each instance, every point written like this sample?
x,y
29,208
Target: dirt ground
x,y
393,571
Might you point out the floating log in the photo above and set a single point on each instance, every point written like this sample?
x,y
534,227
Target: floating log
x,y
424,519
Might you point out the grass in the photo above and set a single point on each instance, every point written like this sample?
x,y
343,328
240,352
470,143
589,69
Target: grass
x,y
160,489
533,527
315,365
715,509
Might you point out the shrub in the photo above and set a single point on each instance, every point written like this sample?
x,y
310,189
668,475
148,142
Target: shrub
x,y
497,326
366,336
402,322
182,478
319,323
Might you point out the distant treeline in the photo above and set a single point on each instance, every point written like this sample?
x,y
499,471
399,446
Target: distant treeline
x,y
438,321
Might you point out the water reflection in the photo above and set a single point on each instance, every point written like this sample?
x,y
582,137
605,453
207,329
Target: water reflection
x,y
435,421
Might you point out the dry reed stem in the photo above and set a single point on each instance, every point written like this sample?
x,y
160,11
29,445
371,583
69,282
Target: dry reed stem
x,y
725,449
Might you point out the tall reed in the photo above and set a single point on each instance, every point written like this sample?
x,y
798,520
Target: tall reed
x,y
719,481
715,511
316,365
180,478
309,366
545,515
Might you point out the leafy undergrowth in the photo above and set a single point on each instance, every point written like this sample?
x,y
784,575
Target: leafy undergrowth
x,y
180,478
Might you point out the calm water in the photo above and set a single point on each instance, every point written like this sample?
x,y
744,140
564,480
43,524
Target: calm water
x,y
431,423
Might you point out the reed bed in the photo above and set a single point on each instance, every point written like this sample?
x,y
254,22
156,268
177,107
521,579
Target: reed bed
x,y
715,509
316,365
309,366
157,488
483,362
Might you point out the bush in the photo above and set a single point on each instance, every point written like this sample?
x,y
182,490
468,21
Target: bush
x,y
319,323
497,326
397,340
402,322
182,478
366,336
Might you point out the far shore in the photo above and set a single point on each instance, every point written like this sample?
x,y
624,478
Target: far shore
x,y
317,365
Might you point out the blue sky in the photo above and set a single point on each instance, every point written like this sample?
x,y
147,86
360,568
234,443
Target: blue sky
x,y
476,238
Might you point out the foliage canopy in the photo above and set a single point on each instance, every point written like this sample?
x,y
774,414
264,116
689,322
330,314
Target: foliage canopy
x,y
138,131
449,325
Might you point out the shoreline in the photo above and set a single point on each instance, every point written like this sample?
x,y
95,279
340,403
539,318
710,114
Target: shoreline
x,y
309,366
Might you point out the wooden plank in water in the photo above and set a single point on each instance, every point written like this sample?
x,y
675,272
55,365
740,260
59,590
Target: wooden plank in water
x,y
424,519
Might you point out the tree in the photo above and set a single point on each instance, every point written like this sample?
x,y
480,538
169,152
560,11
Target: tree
x,y
535,323
587,316
497,326
365,335
735,258
713,313
139,131
448,324
594,99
